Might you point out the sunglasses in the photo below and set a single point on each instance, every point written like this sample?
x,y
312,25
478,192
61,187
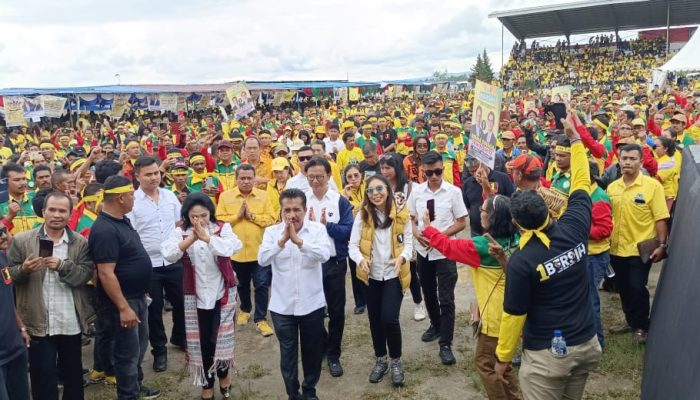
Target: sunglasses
x,y
376,189
430,172
305,158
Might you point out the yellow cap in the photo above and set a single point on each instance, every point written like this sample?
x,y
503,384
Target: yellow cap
x,y
279,164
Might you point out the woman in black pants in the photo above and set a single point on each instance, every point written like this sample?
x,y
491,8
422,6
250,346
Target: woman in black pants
x,y
391,168
354,191
381,243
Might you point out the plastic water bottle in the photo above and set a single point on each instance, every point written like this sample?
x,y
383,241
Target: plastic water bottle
x,y
610,272
558,348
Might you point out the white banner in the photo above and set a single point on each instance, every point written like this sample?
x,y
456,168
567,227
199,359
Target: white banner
x,y
168,102
54,106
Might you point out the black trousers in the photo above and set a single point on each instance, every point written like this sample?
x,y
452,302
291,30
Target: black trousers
x,y
290,331
168,278
438,279
383,308
14,384
45,353
415,284
631,276
209,321
262,279
358,288
334,271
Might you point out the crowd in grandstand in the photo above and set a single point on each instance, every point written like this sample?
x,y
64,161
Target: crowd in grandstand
x,y
604,61
103,219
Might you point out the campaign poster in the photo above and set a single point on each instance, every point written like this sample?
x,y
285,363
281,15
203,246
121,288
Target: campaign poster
x,y
242,103
561,94
485,118
14,110
168,101
33,108
54,106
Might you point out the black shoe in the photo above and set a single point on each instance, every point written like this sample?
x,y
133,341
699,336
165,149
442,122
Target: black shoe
x,y
147,393
335,368
160,362
431,334
380,369
397,378
446,355
359,310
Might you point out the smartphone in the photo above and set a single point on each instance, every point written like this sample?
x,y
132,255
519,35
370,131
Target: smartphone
x,y
559,110
431,209
209,183
45,248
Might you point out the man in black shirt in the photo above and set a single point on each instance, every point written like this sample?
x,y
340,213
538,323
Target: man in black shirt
x,y
386,135
547,290
370,165
124,271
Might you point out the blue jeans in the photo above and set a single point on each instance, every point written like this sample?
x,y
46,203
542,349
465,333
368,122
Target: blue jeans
x,y
597,266
129,347
14,384
262,280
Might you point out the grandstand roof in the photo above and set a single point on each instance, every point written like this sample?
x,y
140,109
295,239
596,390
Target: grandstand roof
x,y
597,16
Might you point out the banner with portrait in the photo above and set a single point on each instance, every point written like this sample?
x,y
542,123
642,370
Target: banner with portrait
x,y
242,103
562,94
14,110
485,118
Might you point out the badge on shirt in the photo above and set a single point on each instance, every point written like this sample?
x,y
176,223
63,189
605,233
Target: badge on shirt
x,y
566,184
6,276
639,199
399,238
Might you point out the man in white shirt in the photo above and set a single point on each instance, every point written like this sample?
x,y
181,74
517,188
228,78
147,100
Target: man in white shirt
x,y
296,249
334,143
154,216
299,180
438,276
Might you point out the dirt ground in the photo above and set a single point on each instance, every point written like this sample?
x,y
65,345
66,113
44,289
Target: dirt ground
x,y
258,376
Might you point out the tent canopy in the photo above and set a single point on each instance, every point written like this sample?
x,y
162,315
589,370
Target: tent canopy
x,y
598,16
687,58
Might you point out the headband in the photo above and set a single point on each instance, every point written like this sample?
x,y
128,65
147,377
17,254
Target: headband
x,y
529,233
131,145
77,163
563,149
174,154
120,189
47,146
196,158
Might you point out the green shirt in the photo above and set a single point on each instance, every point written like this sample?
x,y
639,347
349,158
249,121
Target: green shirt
x,y
25,218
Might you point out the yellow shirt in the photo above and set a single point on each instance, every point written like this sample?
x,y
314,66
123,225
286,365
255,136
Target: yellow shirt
x,y
667,173
346,157
635,208
273,197
5,154
335,174
250,232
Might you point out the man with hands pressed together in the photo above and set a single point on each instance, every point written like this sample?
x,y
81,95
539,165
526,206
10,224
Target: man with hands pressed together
x,y
52,299
296,249
246,208
124,270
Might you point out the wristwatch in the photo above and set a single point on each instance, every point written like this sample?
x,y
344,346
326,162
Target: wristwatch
x,y
663,245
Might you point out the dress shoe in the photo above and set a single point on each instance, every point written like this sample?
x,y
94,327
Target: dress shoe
x,y
431,334
160,362
446,355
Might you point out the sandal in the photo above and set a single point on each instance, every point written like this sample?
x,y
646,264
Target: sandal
x,y
226,392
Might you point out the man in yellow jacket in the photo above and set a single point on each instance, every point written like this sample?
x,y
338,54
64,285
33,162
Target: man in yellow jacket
x,y
246,208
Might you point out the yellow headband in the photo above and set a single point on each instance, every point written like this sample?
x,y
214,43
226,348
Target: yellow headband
x,y
196,158
46,146
600,124
120,189
179,171
131,145
77,163
174,154
563,149
441,135
527,234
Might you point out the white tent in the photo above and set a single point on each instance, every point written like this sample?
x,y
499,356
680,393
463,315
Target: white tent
x,y
687,58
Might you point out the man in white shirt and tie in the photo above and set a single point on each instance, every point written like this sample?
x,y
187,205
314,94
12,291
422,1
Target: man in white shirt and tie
x,y
296,249
154,216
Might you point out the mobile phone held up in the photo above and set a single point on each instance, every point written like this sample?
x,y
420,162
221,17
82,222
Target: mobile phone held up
x,y
45,248
430,204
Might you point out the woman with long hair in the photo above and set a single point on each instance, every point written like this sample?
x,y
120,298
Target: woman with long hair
x,y
669,161
411,163
355,193
401,186
282,171
381,243
487,256
205,246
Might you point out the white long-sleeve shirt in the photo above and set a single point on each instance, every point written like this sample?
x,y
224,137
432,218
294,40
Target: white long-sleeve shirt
x,y
155,222
297,287
209,283
381,267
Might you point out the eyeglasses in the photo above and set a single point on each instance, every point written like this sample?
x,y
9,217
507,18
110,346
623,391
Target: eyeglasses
x,y
430,172
353,176
305,158
376,189
386,157
422,145
319,178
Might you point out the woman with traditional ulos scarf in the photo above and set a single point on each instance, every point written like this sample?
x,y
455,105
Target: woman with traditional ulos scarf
x,y
205,246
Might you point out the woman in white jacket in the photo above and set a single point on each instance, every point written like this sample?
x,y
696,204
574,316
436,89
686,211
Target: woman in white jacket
x,y
205,246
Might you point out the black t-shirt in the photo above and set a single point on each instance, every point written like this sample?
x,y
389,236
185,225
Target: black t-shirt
x,y
472,192
387,138
551,285
369,170
12,345
116,241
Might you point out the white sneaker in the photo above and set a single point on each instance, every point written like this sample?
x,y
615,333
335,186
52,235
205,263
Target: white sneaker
x,y
419,311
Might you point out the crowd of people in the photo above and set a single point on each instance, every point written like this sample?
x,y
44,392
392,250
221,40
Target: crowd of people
x,y
604,61
104,222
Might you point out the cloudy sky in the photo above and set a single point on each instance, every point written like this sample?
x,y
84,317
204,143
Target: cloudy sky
x,y
48,43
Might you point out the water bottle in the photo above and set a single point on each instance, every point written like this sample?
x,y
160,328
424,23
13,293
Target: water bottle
x,y
558,348
610,272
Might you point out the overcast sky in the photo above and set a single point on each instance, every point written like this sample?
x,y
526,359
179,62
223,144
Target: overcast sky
x,y
49,43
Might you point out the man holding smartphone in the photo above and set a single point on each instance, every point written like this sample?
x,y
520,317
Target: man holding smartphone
x,y
438,276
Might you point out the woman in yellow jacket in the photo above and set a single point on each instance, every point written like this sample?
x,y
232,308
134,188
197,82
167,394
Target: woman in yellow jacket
x,y
355,192
381,244
487,261
282,171
669,161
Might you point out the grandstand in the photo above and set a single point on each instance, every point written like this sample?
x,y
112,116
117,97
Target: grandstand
x,y
602,60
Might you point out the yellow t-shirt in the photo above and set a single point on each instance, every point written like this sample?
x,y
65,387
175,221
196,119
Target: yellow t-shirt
x,y
249,232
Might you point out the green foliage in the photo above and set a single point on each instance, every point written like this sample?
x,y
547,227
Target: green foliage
x,y
482,69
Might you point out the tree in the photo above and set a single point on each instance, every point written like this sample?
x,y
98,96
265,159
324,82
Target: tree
x,y
475,70
482,69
